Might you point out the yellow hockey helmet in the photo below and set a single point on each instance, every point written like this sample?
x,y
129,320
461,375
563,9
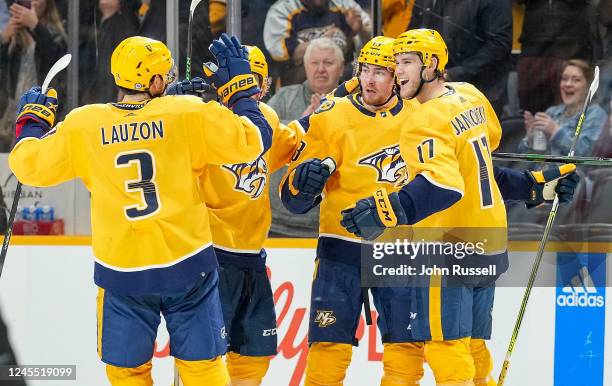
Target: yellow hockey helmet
x,y
427,42
378,51
258,62
137,59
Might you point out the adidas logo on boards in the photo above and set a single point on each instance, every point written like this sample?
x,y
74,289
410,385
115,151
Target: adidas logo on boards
x,y
581,292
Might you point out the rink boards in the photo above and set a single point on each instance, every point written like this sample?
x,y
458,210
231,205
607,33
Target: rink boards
x,y
47,298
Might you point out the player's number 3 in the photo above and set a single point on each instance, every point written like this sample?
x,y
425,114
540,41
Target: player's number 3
x,y
145,184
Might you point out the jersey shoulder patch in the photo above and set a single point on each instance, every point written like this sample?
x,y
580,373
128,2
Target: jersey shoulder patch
x,y
326,105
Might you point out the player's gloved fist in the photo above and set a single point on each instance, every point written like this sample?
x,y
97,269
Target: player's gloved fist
x,y
347,87
560,180
195,86
310,177
36,109
233,78
370,216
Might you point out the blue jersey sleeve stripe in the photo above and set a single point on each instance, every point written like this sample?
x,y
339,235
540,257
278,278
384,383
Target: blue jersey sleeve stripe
x,y
421,198
304,123
513,184
248,107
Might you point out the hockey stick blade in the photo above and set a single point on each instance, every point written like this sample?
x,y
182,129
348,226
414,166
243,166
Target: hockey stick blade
x,y
194,4
590,161
61,63
594,84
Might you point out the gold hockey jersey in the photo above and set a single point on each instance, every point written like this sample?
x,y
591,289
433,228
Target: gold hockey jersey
x,y
364,147
448,140
142,163
237,194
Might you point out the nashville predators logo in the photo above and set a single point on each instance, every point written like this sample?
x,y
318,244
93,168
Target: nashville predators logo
x,y
325,318
326,105
250,177
388,163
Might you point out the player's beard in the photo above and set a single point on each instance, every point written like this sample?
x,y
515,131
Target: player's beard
x,y
376,99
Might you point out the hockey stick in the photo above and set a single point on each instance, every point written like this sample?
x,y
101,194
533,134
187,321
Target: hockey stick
x,y
194,4
192,7
549,223
590,161
62,63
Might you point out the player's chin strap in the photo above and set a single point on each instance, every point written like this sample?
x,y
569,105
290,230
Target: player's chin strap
x,y
423,81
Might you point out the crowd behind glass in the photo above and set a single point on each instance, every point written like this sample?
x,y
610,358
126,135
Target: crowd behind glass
x,y
534,60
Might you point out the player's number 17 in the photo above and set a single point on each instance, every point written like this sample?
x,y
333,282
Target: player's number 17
x,y
481,151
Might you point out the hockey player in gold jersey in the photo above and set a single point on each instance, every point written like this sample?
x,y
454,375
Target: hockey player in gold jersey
x,y
447,142
358,136
240,216
142,159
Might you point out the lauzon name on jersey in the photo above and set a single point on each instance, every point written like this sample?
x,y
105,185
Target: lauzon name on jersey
x,y
133,131
467,119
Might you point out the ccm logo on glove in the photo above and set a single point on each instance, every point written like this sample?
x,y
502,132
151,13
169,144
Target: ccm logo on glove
x,y
383,206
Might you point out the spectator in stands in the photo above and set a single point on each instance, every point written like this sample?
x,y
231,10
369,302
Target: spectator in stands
x,y
396,16
324,62
114,26
292,24
604,94
152,15
553,32
478,34
32,41
559,122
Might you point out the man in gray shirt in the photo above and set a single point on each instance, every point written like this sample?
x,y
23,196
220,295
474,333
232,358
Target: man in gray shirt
x,y
324,63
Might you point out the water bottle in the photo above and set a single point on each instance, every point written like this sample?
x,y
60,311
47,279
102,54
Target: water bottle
x,y
38,213
540,142
47,213
28,213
